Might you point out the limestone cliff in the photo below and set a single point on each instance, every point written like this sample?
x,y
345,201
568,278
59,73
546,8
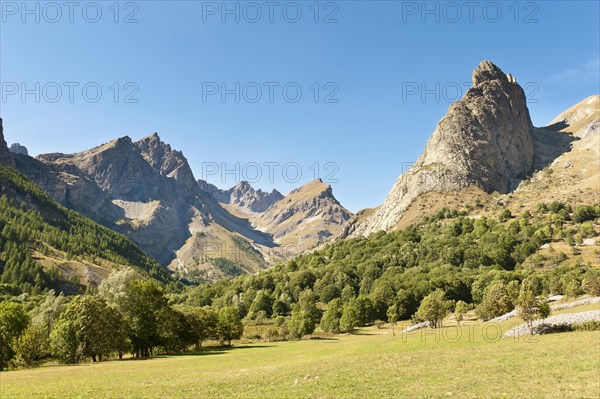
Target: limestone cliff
x,y
485,140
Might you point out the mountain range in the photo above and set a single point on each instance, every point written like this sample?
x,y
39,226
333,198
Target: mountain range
x,y
146,190
483,154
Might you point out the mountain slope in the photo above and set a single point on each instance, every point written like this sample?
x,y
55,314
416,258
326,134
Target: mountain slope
x,y
44,245
147,191
304,218
574,175
144,189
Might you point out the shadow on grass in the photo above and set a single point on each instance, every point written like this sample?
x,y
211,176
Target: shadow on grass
x,y
359,332
325,339
214,350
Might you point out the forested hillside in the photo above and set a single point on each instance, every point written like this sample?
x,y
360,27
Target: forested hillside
x,y
33,226
450,250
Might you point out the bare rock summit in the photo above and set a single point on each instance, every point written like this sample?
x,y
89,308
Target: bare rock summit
x,y
484,140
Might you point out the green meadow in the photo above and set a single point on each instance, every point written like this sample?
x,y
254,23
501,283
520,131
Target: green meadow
x,y
469,361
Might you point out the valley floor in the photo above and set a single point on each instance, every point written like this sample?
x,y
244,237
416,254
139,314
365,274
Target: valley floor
x,y
466,362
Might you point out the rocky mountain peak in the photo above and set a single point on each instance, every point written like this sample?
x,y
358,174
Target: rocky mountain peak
x,y
243,186
245,196
487,71
306,217
17,148
314,187
123,141
166,161
5,156
484,140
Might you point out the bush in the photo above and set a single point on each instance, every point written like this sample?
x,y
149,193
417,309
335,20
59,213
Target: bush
x,y
592,325
552,329
301,323
583,213
433,308
33,346
496,301
350,317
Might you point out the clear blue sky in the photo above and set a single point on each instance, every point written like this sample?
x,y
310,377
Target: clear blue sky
x,y
373,54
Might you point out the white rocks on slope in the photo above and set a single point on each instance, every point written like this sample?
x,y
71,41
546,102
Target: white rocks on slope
x,y
567,319
560,306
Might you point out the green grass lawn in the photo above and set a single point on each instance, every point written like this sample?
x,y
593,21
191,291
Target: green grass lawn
x,y
369,364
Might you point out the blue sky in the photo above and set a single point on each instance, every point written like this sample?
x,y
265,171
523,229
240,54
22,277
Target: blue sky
x,y
368,61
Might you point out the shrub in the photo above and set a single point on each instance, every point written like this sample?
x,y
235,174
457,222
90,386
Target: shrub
x,y
583,213
433,308
350,317
301,323
592,325
552,328
33,346
496,301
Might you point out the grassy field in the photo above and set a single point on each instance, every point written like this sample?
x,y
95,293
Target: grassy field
x,y
368,364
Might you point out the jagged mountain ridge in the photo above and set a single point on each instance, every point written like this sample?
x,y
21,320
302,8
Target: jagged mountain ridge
x,y
304,218
141,189
299,221
243,196
147,191
50,234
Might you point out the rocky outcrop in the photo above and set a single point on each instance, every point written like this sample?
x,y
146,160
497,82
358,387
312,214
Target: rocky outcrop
x,y
485,140
560,322
70,188
109,182
243,196
17,148
304,218
219,195
5,156
167,162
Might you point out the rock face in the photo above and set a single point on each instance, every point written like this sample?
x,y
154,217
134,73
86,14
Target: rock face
x,y
581,119
304,218
142,189
243,196
485,140
5,156
17,148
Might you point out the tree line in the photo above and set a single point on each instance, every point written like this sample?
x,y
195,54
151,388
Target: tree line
x,y
479,261
127,315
